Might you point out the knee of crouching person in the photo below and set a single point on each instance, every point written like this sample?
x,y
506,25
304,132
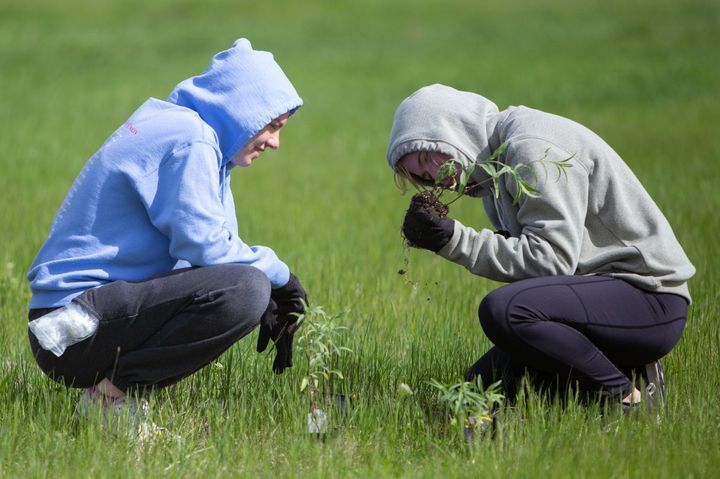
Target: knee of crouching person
x,y
246,301
256,295
492,313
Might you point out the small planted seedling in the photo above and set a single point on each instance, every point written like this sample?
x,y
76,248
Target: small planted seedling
x,y
453,177
320,342
468,406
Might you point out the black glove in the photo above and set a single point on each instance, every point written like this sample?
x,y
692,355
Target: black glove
x,y
423,228
280,324
270,328
288,298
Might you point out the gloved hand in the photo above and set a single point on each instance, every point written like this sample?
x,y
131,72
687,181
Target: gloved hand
x,y
280,324
271,328
288,298
423,228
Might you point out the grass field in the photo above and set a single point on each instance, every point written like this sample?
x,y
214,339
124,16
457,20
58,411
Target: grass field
x,y
639,73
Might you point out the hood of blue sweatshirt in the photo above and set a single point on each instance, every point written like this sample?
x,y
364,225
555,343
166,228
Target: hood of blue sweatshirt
x,y
238,94
156,195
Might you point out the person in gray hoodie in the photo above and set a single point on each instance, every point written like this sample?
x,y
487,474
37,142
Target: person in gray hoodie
x,y
598,281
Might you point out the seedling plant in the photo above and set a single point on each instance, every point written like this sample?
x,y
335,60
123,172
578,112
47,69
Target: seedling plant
x,y
454,177
320,343
468,406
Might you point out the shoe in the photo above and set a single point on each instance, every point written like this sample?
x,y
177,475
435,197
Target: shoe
x,y
650,380
476,427
117,415
149,432
654,394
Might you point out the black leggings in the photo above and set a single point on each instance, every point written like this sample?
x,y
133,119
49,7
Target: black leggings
x,y
591,330
155,332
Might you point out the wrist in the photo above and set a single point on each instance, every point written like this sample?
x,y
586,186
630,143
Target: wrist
x,y
287,289
446,228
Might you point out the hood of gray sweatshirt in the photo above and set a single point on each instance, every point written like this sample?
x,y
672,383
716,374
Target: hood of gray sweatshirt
x,y
595,219
441,119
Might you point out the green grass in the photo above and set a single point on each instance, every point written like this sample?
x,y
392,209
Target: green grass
x,y
641,74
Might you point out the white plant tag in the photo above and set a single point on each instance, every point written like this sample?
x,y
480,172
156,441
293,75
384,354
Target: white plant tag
x,y
317,421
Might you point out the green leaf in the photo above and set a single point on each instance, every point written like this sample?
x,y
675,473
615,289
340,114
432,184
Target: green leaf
x,y
447,170
498,151
490,170
463,180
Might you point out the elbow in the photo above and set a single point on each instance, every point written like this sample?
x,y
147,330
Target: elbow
x,y
554,264
561,265
564,270
554,259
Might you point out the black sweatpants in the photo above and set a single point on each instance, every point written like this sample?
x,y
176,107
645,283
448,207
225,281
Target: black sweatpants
x,y
155,332
592,330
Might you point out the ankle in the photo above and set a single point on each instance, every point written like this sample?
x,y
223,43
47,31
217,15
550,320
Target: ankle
x,y
106,390
633,398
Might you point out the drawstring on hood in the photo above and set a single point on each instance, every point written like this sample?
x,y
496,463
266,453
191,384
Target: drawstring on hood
x,y
240,92
438,118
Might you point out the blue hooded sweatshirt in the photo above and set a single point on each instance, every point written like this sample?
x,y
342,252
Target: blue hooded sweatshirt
x,y
156,195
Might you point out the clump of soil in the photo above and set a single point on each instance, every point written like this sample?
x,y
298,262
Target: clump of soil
x,y
429,201
426,199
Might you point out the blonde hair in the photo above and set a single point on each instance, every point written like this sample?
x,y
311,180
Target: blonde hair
x,y
403,178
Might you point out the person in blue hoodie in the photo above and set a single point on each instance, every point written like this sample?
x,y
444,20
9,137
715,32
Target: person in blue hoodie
x,y
143,278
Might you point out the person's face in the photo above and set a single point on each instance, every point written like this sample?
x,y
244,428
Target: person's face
x,y
268,137
423,166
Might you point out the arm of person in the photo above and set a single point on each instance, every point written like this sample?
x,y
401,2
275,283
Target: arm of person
x,y
183,199
552,223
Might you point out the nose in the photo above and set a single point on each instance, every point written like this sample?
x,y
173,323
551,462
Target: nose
x,y
273,142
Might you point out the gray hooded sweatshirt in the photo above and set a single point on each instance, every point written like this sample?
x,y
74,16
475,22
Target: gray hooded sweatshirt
x,y
597,219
